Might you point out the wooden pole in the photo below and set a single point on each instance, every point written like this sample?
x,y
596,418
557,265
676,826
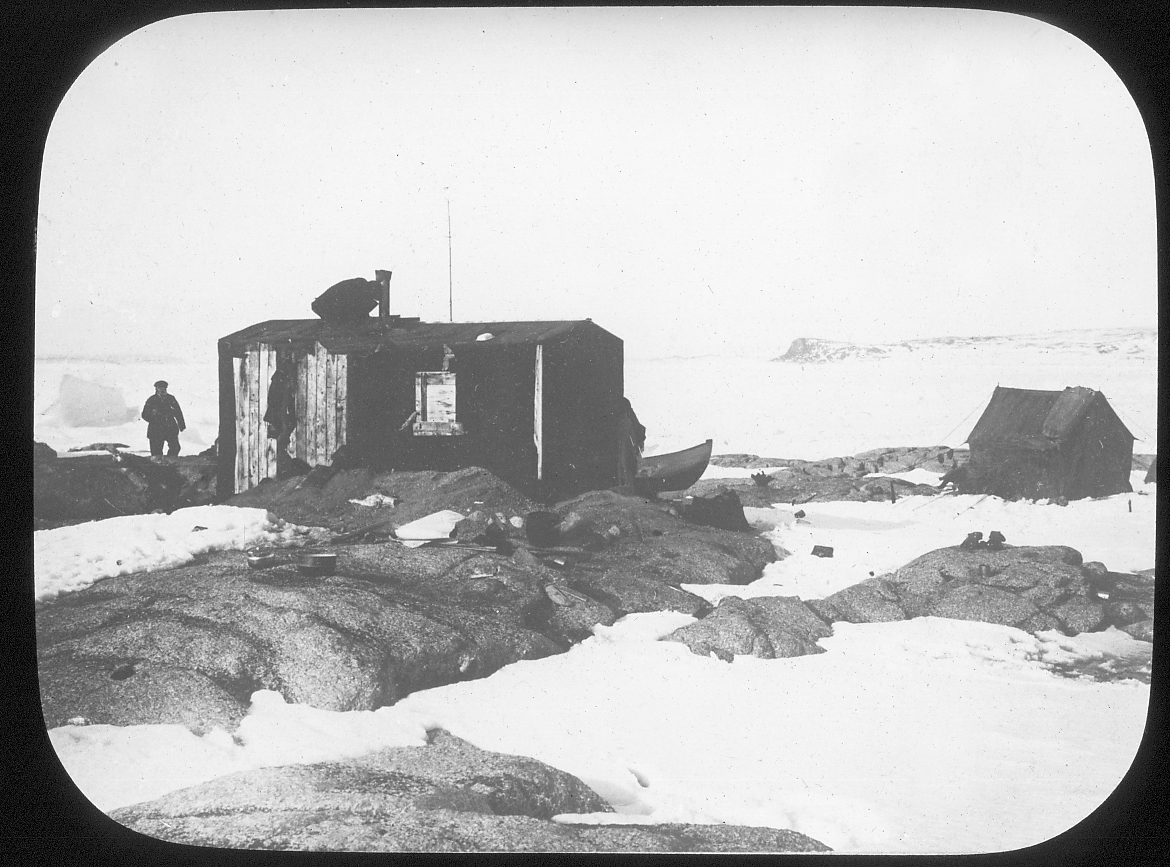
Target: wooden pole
x,y
450,280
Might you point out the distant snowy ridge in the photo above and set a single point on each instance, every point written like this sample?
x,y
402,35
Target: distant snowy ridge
x,y
1139,343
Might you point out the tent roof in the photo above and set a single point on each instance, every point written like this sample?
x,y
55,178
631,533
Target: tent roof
x,y
371,333
1036,419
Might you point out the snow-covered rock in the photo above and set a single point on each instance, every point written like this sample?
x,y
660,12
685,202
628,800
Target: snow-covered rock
x,y
443,797
1032,588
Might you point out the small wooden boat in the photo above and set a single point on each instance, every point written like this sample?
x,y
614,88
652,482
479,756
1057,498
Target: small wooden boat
x,y
676,471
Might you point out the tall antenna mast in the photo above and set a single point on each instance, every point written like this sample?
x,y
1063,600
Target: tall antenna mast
x,y
450,282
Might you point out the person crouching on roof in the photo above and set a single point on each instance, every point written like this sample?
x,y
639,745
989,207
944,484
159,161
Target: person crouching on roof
x,y
164,421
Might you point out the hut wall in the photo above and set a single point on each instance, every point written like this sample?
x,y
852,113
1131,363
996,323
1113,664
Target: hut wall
x,y
247,454
322,405
1099,458
500,408
382,398
362,396
255,452
494,403
582,384
225,479
1013,472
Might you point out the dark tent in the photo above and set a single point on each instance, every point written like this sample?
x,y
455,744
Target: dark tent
x,y
1038,444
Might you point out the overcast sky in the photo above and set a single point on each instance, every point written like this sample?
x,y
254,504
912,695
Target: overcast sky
x,y
694,180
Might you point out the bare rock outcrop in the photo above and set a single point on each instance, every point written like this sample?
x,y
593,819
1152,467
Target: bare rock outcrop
x,y
190,645
448,796
771,627
1030,587
324,498
94,487
654,541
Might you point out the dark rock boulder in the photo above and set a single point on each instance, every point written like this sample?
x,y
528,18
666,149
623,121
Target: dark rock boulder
x,y
872,601
728,631
301,500
392,619
473,527
199,481
789,615
987,604
723,511
1079,614
448,796
765,627
94,487
140,692
653,542
678,837
1033,588
1142,630
574,615
1128,598
343,642
631,592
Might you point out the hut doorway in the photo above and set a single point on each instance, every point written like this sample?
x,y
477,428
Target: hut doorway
x,y
319,394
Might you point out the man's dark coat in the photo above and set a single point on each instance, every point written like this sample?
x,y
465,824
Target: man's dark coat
x,y
163,416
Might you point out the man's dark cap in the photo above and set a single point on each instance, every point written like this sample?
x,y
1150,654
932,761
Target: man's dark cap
x,y
162,383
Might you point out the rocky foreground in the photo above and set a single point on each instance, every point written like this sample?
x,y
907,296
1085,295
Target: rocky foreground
x,y
448,796
190,645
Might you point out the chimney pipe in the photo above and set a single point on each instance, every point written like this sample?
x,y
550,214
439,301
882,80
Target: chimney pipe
x,y
383,280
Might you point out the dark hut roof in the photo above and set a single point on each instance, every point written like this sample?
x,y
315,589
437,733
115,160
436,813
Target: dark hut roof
x,y
1036,419
371,333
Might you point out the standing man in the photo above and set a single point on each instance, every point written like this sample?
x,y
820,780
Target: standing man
x,y
164,420
281,415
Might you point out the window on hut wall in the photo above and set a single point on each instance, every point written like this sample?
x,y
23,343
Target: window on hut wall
x,y
434,404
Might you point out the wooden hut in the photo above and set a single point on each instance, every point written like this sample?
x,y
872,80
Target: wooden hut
x,y
533,402
1038,444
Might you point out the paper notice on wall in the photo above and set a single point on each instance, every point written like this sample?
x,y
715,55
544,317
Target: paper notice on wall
x,y
438,392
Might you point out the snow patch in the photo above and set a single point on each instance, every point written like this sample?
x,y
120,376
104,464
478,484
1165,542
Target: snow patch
x,y
71,558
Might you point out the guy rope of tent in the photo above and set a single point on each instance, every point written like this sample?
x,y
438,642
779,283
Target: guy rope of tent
x,y
951,432
1129,422
982,402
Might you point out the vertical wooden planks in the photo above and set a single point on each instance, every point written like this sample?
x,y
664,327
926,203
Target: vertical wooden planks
x,y
329,416
269,445
247,364
239,377
253,416
342,397
302,451
311,408
246,392
261,407
321,408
